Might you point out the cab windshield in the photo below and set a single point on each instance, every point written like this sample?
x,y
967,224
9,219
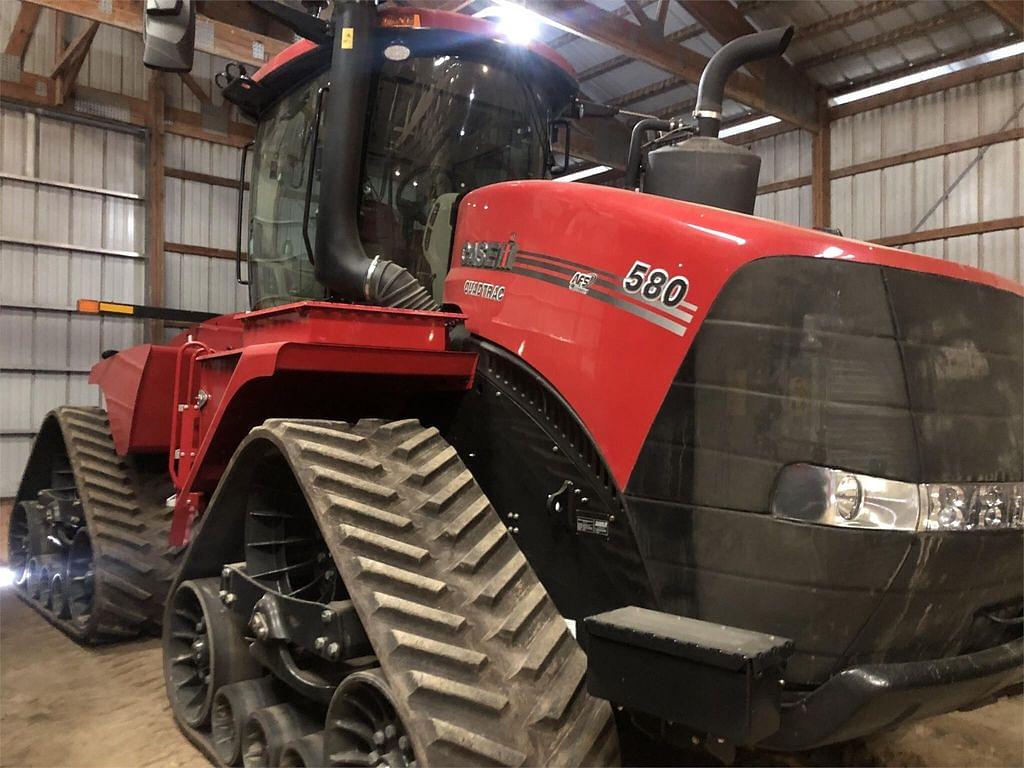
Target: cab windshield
x,y
440,126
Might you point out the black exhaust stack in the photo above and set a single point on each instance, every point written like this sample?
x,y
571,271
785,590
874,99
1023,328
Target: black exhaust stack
x,y
705,169
340,263
730,57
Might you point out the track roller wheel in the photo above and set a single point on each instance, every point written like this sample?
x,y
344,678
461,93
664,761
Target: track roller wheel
x,y
59,597
269,730
32,576
204,648
363,728
45,585
232,707
307,752
81,578
19,550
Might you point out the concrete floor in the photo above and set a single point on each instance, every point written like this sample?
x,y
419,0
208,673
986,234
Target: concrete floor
x,y
63,705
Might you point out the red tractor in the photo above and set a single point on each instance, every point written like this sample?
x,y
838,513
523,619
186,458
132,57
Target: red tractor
x,y
492,457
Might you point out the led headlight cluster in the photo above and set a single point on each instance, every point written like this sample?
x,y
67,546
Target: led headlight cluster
x,y
973,506
827,496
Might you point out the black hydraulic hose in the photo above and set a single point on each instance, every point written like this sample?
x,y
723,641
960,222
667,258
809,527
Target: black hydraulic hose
x,y
636,142
340,263
729,58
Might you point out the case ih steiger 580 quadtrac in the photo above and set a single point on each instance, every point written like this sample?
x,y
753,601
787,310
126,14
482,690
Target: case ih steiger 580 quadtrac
x,y
492,457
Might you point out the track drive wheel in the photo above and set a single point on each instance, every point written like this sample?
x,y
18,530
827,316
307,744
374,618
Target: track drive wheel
x,y
204,649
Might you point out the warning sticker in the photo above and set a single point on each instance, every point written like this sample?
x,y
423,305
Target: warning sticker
x,y
348,35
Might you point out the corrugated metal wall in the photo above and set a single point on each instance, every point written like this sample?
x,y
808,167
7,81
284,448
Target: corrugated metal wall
x,y
87,240
204,215
893,201
80,236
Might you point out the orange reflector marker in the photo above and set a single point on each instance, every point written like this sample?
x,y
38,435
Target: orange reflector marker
x,y
90,306
119,309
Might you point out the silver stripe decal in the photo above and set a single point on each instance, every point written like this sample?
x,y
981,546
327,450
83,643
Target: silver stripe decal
x,y
675,312
641,312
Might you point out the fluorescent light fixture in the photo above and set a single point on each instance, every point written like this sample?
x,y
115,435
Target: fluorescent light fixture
x,y
1016,49
515,23
584,174
750,125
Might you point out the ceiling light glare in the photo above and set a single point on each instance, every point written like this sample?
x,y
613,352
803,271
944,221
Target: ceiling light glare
x,y
515,23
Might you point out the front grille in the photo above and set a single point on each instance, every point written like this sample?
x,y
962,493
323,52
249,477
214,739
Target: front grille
x,y
886,372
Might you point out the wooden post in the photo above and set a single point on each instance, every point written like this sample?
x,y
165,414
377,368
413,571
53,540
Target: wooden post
x,y
821,162
155,201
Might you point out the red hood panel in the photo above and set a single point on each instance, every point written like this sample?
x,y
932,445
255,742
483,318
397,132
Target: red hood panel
x,y
549,287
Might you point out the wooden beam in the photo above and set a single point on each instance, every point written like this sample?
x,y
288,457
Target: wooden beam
x,y
647,92
821,162
78,45
925,87
197,90
724,23
777,98
199,250
858,13
218,38
24,28
893,37
975,142
622,12
679,36
202,178
779,186
65,71
921,65
1010,12
155,272
59,32
978,228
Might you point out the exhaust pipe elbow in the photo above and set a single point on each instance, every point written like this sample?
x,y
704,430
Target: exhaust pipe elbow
x,y
730,57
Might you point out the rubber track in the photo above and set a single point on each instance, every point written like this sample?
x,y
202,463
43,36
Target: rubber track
x,y
482,665
128,525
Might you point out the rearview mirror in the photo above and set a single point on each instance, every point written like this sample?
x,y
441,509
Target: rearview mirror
x,y
169,34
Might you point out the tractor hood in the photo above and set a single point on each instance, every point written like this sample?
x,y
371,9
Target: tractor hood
x,y
603,291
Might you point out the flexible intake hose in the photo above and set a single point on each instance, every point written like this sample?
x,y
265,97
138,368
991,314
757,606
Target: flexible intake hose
x,y
340,263
729,58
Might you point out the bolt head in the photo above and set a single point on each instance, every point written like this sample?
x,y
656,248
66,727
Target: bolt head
x,y
327,616
230,598
319,643
333,650
226,573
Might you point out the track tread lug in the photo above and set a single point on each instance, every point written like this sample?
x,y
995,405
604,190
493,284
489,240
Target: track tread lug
x,y
445,620
493,752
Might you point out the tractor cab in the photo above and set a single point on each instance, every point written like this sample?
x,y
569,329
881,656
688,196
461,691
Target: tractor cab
x,y
451,107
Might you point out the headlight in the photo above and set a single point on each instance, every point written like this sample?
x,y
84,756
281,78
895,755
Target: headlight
x,y
973,506
826,496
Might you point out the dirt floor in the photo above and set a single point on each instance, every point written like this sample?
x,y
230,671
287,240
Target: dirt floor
x,y
63,705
